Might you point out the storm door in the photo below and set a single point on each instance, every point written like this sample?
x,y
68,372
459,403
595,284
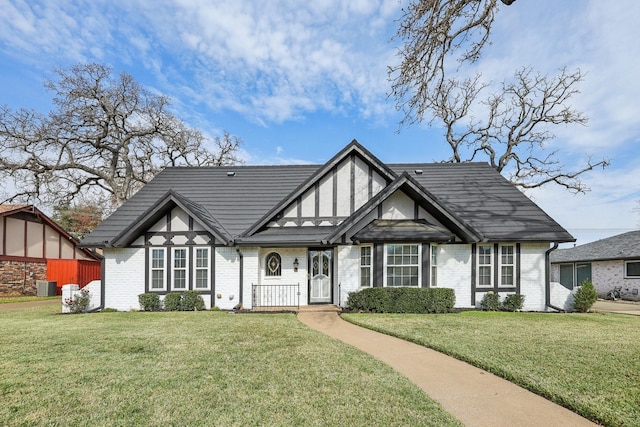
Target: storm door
x,y
320,266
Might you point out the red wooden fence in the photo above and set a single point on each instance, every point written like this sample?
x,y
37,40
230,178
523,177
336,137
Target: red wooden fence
x,y
72,271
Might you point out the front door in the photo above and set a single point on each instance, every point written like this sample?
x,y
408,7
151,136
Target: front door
x,y
320,266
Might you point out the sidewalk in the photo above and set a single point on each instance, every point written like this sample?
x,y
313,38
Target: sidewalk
x,y
27,304
473,396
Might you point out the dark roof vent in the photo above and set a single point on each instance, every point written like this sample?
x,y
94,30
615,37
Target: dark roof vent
x,y
418,171
231,173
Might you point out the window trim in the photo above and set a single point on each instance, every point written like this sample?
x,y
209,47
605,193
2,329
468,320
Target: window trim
x,y
479,266
196,268
512,265
418,265
163,249
626,269
174,249
433,265
367,266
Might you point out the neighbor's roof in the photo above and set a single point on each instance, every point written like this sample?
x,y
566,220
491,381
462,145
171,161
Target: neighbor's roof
x,y
621,246
239,197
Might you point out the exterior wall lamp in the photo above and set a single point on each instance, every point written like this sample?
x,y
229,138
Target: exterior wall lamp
x,y
295,264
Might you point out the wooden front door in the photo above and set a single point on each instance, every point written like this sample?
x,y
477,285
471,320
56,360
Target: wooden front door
x,y
320,281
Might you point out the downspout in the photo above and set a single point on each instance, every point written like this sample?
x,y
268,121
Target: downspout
x,y
241,279
547,278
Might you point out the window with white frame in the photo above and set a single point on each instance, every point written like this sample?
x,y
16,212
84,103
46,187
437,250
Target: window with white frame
x,y
507,265
632,269
157,271
403,265
179,269
434,265
273,265
485,266
202,267
365,266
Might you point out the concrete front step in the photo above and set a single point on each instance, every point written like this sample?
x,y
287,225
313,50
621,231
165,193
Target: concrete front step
x,y
323,308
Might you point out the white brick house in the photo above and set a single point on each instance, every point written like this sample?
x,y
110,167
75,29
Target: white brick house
x,y
310,234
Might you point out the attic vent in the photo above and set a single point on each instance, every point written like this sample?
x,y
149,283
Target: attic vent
x,y
231,173
418,171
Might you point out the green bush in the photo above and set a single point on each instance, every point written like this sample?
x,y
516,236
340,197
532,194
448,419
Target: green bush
x,y
402,300
490,301
150,302
191,300
584,297
513,302
172,301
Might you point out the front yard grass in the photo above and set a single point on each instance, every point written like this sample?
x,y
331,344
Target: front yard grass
x,y
589,363
194,368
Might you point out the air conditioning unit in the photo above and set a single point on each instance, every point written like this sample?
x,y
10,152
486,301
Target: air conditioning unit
x,y
46,288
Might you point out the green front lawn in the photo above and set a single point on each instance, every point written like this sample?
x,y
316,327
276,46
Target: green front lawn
x,y
589,363
194,368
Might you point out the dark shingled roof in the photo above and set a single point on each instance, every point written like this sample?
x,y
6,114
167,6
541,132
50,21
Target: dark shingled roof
x,y
478,195
622,246
403,230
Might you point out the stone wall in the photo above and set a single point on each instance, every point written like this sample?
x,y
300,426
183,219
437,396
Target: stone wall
x,y
19,277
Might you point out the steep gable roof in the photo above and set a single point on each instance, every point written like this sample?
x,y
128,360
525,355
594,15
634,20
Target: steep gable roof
x,y
352,149
159,209
486,201
237,202
621,246
429,202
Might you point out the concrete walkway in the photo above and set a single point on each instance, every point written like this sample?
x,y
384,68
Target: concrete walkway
x,y
28,304
473,396
621,307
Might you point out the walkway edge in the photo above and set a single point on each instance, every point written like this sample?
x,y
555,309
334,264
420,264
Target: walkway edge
x,y
473,396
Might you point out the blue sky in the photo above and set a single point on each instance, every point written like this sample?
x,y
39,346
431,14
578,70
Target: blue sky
x,y
296,81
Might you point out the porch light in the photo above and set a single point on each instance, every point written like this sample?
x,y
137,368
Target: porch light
x,y
295,264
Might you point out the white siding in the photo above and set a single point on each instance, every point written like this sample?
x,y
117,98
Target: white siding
x,y
398,206
227,278
124,272
532,277
348,271
454,271
326,195
344,184
361,184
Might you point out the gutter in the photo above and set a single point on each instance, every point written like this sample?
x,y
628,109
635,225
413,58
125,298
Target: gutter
x,y
547,278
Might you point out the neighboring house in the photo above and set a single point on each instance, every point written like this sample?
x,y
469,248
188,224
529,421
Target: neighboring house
x,y
608,263
33,247
310,234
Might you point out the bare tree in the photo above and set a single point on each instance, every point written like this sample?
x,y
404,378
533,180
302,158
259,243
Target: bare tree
x,y
108,135
439,37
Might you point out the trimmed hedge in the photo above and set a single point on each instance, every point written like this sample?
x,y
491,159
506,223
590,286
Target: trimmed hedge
x,y
402,300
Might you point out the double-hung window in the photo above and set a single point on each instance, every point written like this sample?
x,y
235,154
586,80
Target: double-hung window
x,y
365,266
403,265
485,266
202,268
434,265
179,271
157,273
507,265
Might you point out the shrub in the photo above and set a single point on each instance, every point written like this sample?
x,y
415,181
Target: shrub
x,y
584,297
402,300
513,302
191,300
79,302
109,310
490,301
150,302
172,301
